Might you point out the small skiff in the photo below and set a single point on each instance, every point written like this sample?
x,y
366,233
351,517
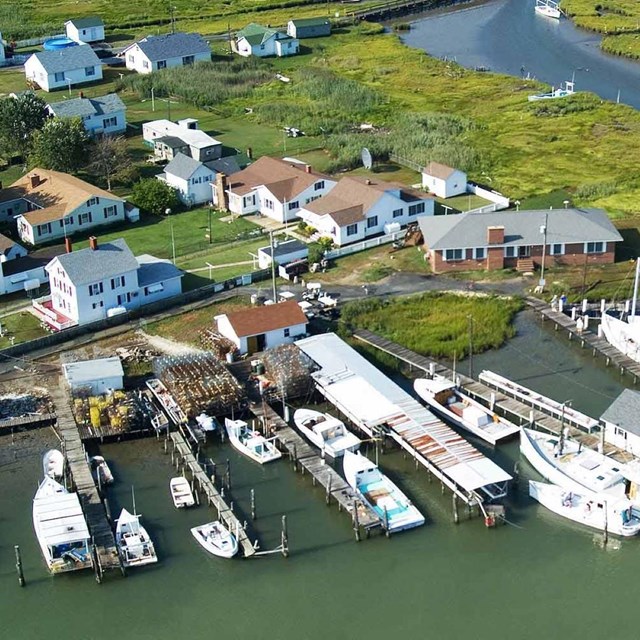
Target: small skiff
x,y
251,443
181,493
136,547
326,432
53,464
216,539
101,470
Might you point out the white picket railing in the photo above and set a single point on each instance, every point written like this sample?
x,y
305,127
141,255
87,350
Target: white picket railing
x,y
364,244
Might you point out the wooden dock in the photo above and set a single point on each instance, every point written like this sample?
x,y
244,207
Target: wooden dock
x,y
25,423
306,458
182,455
598,346
106,555
511,408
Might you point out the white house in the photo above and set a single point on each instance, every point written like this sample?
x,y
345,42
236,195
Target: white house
x,y
444,181
104,115
64,68
18,270
83,30
622,422
154,53
358,208
191,178
96,376
283,252
256,40
48,205
260,328
272,187
101,281
170,138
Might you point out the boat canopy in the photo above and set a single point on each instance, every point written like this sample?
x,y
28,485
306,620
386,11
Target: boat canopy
x,y
60,519
477,474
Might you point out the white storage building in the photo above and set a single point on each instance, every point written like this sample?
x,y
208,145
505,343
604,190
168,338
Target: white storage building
x,y
101,375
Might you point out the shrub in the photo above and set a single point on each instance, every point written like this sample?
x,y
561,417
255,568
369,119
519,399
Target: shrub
x,y
154,196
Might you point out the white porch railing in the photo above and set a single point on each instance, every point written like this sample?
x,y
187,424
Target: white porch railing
x,y
48,315
364,244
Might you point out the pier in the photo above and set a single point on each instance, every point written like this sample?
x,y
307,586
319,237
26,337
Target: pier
x,y
182,456
598,346
106,556
24,423
305,457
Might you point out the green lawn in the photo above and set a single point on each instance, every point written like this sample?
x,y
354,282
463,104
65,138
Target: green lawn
x,y
22,326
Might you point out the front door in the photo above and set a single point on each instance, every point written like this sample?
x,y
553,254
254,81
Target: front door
x,y
524,252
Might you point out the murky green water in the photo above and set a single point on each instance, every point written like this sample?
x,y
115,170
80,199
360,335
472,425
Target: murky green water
x,y
540,578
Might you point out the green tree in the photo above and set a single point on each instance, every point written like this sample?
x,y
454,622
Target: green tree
x,y
61,145
154,196
109,160
20,117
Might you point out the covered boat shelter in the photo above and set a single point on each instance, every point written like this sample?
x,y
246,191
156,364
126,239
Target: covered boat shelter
x,y
378,405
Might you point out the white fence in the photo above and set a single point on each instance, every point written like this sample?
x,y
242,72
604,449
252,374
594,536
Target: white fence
x,y
33,42
496,198
365,244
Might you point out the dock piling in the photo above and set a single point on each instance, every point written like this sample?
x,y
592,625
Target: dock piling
x,y
253,504
356,523
227,477
19,571
284,538
454,500
386,522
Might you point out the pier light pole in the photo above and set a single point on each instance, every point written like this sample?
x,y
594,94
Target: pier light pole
x,y
561,439
543,231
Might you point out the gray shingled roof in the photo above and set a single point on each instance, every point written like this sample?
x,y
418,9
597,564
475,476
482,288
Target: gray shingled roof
x,y
624,411
285,248
228,165
152,270
183,166
108,260
84,107
67,59
85,23
172,45
466,230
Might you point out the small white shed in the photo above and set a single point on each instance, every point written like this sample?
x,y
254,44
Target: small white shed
x,y
101,375
444,181
284,253
622,422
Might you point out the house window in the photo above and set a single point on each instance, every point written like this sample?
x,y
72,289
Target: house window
x,y
372,222
162,64
318,185
308,200
131,59
556,249
97,305
397,213
287,332
111,211
261,47
44,229
509,252
117,282
451,255
59,76
594,247
96,289
145,64
352,229
92,201
415,209
84,218
268,204
293,205
187,60
109,122
89,71
479,253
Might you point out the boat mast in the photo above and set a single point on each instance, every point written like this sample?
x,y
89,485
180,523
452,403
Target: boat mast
x,y
635,289
133,499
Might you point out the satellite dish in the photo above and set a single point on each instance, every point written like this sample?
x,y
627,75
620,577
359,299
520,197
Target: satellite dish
x,y
367,160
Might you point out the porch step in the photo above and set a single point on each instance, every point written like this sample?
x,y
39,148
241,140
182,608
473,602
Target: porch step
x,y
525,265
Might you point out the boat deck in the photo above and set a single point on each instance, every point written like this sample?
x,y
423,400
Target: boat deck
x,y
105,545
183,450
306,457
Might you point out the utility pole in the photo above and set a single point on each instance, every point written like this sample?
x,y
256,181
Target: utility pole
x,y
543,230
273,267
470,346
210,207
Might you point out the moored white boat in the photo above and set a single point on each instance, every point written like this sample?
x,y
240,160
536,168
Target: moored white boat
x,y
442,395
251,443
101,470
53,464
167,401
560,92
548,9
618,516
326,432
61,528
134,543
181,493
381,494
216,539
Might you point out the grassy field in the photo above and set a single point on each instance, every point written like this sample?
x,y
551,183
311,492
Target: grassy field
x,y
436,324
21,326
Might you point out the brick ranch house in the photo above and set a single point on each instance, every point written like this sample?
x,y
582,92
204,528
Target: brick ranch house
x,y
503,240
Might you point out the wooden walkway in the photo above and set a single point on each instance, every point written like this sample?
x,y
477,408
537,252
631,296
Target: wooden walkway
x,y
184,456
599,346
305,457
106,552
10,425
511,408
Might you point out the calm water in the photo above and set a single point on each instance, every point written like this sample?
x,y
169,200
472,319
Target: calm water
x,y
541,578
507,36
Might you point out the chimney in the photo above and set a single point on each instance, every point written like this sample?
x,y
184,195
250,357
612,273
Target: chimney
x,y
495,235
67,245
93,243
35,180
308,168
250,153
221,191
